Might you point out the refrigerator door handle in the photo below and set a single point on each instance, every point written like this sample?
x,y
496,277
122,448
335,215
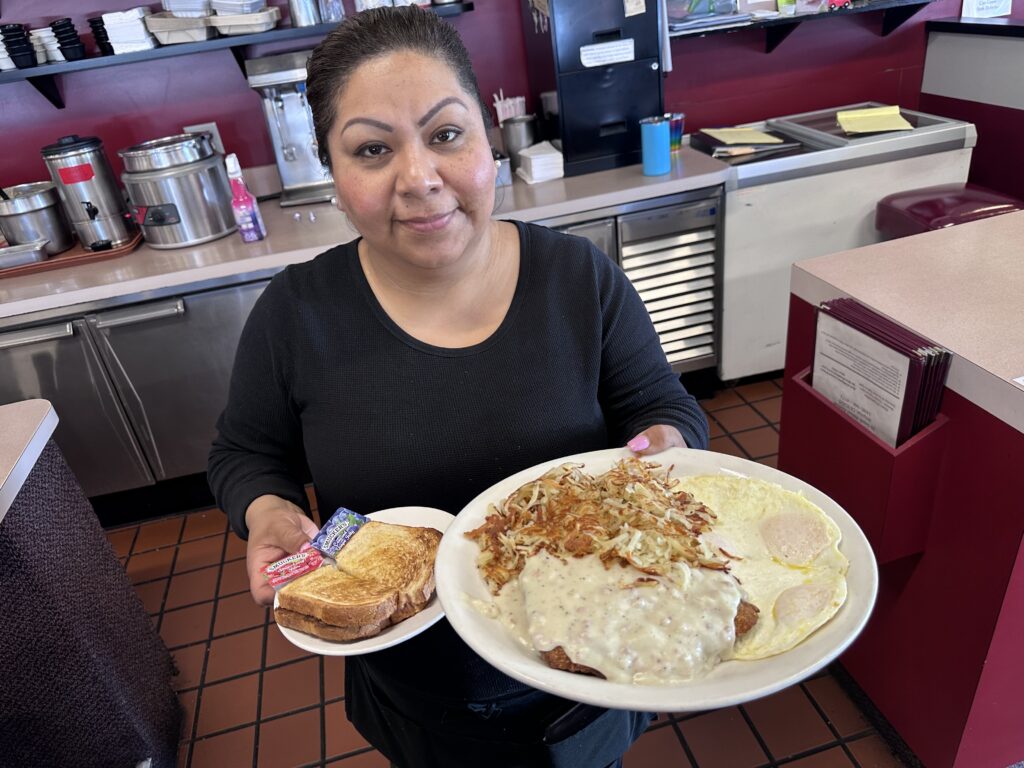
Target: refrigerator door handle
x,y
122,381
143,314
35,335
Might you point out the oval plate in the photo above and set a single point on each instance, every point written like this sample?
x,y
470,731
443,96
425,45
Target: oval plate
x,y
731,682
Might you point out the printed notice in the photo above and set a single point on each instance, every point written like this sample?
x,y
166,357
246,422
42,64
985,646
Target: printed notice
x,y
863,377
985,9
603,54
634,7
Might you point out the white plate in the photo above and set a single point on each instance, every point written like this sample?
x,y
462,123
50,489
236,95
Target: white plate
x,y
731,682
423,517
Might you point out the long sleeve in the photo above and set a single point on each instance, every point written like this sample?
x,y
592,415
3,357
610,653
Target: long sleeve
x,y
638,388
258,449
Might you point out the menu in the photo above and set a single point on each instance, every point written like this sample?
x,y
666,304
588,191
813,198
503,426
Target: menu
x,y
883,376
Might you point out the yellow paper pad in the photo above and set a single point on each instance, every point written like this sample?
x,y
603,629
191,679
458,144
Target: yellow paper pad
x,y
741,136
873,120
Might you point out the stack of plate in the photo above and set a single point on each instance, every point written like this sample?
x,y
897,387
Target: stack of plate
x,y
127,31
17,48
46,45
70,43
189,9
99,34
5,61
236,7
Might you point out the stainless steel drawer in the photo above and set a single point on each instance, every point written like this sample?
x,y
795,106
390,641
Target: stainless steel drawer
x,y
701,292
691,343
704,329
690,354
684,310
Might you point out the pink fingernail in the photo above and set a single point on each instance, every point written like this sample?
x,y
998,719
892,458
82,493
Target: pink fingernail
x,y
639,443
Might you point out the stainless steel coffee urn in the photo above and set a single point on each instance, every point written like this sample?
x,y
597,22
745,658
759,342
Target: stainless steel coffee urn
x,y
179,190
88,191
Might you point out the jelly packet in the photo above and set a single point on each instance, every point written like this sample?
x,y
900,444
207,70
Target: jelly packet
x,y
288,568
338,530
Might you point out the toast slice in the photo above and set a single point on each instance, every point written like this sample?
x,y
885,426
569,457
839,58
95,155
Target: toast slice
x,y
385,574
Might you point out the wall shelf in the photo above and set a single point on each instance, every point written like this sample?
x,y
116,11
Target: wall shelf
x,y
44,77
777,29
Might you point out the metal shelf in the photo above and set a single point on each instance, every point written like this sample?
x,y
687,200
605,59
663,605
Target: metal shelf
x,y
777,29
44,77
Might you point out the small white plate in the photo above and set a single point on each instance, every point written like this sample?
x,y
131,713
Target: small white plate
x,y
422,517
731,682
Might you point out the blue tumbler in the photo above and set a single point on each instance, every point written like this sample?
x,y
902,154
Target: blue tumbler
x,y
655,146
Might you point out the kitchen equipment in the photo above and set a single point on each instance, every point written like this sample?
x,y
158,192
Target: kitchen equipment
x,y
304,13
606,67
26,253
518,134
88,191
331,10
281,82
32,212
179,190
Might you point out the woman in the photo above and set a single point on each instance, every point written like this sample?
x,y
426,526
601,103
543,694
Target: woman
x,y
420,364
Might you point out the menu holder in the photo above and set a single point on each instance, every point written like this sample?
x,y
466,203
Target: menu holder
x,y
882,375
890,492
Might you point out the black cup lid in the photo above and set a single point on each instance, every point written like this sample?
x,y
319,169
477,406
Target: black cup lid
x,y
70,144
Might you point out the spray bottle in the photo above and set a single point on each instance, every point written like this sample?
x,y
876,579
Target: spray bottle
x,y
243,204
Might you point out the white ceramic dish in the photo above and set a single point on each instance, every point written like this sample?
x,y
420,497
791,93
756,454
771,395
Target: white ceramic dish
x,y
425,517
731,682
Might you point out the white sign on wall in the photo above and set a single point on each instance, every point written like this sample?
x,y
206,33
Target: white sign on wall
x,y
985,9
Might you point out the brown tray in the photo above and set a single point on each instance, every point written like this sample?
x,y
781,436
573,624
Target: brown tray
x,y
72,257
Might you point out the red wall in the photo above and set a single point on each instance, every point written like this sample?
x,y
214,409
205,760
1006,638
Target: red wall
x,y
719,79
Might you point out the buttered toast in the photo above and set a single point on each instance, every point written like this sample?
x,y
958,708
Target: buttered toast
x,y
385,574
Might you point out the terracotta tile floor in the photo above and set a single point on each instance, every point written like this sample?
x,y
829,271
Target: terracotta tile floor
x,y
251,698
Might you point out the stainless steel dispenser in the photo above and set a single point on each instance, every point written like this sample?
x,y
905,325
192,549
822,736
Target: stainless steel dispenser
x,y
281,82
89,192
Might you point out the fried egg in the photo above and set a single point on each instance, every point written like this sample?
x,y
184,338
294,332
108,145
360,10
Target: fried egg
x,y
784,553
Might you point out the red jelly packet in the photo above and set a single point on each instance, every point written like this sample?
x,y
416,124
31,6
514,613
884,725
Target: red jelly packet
x,y
342,526
286,569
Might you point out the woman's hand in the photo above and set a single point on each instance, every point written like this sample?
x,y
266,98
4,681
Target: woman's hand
x,y
655,440
277,528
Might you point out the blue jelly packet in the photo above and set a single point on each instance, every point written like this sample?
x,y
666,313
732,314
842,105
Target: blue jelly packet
x,y
338,530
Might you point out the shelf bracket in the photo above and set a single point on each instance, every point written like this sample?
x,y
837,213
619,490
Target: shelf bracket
x,y
47,85
893,18
239,53
775,34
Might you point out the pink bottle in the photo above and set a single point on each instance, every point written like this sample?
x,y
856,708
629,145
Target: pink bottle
x,y
243,204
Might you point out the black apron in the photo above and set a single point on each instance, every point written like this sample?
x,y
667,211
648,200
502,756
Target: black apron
x,y
522,729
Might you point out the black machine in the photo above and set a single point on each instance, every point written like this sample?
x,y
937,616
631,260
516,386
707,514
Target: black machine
x,y
606,69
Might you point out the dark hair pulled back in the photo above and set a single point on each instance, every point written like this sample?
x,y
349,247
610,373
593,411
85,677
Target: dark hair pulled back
x,y
368,35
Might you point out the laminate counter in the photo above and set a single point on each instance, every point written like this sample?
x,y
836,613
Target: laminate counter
x,y
940,657
25,428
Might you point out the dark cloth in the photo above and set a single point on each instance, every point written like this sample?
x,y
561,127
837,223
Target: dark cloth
x,y
325,380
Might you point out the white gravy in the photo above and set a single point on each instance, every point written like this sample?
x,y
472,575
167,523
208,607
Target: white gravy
x,y
672,629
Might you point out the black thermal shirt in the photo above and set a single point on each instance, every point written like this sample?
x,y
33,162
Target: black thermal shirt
x,y
324,379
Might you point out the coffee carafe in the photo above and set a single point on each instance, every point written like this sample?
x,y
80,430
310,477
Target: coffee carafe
x,y
88,191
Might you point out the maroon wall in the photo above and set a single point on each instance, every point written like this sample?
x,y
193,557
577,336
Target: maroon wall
x,y
719,79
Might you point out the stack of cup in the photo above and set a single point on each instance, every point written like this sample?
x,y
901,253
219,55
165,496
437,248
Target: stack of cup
x,y
71,44
99,34
46,43
17,46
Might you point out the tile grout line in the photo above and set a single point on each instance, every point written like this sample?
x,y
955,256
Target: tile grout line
x,y
323,708
835,732
686,747
757,734
206,659
259,689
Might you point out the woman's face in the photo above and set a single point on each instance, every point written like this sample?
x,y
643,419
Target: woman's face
x,y
411,160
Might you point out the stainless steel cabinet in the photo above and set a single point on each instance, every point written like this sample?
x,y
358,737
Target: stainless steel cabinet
x,y
601,233
59,362
137,389
170,362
